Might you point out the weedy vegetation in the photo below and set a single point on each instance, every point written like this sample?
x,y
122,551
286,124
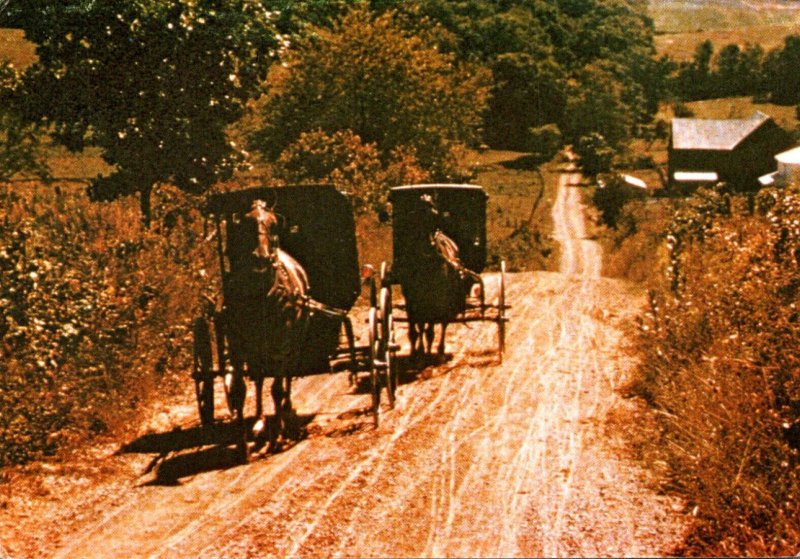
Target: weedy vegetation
x,y
719,367
95,304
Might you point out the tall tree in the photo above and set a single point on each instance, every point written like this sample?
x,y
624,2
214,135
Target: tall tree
x,y
597,108
528,93
368,75
152,83
694,79
534,46
781,68
20,142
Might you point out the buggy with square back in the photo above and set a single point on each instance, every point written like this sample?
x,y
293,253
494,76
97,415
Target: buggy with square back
x,y
439,245
290,276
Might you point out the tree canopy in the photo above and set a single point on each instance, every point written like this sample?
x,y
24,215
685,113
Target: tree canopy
x,y
152,83
535,47
20,142
155,83
369,75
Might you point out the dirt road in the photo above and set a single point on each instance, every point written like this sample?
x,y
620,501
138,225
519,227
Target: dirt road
x,y
478,458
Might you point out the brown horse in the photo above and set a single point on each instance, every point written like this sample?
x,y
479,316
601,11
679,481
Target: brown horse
x,y
267,317
435,283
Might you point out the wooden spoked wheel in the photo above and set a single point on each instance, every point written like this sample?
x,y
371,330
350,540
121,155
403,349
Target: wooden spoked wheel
x,y
374,343
384,274
391,364
202,372
501,312
386,342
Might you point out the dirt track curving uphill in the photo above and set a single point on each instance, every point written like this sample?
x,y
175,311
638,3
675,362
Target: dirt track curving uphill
x,y
478,458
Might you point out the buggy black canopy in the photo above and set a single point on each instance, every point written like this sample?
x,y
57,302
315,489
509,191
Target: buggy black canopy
x,y
316,227
462,212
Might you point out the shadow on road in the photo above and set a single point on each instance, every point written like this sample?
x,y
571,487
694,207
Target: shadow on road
x,y
212,448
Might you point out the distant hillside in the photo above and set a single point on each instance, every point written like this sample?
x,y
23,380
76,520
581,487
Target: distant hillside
x,y
682,16
683,24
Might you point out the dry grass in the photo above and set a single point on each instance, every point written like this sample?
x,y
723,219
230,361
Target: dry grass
x,y
15,49
520,199
682,46
95,312
681,25
743,107
719,368
681,16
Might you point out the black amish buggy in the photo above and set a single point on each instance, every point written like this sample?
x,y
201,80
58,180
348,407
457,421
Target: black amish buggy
x,y
427,220
314,224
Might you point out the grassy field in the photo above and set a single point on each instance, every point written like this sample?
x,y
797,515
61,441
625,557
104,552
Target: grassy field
x,y
682,24
682,16
15,49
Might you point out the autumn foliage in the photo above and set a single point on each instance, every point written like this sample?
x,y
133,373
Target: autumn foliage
x,y
720,366
343,160
94,313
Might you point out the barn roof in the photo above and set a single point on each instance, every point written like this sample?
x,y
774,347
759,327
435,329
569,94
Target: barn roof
x,y
716,135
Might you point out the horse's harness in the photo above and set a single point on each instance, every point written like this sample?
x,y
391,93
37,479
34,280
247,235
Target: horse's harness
x,y
301,299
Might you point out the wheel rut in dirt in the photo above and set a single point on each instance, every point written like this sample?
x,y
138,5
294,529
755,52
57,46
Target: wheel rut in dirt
x,y
478,458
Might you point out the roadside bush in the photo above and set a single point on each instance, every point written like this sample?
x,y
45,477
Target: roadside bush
x,y
682,110
610,196
94,313
391,88
595,154
637,246
544,142
343,160
524,249
720,366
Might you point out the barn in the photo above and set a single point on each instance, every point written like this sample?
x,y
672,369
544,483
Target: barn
x,y
737,151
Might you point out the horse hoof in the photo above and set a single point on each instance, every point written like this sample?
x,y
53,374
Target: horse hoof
x,y
259,443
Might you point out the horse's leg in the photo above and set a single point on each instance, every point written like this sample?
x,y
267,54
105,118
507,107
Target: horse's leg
x,y
290,418
287,399
238,392
430,334
441,340
260,424
277,401
412,337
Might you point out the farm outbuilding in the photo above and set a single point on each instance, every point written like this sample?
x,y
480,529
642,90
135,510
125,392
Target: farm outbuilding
x,y
788,169
738,151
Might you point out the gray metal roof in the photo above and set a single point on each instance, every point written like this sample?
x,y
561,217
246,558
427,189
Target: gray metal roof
x,y
708,134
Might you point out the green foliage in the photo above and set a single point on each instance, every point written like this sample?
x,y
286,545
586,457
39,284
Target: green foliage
x,y
368,75
735,72
534,47
780,68
93,311
609,197
720,365
544,143
595,154
20,142
529,92
152,83
343,160
597,109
